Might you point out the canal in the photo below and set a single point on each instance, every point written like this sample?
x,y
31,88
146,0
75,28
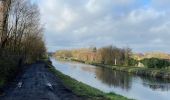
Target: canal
x,y
107,80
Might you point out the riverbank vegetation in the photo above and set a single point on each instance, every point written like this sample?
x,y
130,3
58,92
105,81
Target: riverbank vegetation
x,y
109,55
84,90
21,37
121,59
148,72
155,63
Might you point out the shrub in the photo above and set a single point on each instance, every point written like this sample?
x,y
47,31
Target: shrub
x,y
8,69
155,63
132,62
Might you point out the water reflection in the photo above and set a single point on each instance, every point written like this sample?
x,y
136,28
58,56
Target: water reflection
x,y
156,84
114,78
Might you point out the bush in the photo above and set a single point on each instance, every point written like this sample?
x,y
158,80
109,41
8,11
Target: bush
x,y
8,69
132,62
155,63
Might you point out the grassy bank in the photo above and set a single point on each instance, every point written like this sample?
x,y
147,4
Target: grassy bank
x,y
141,71
84,90
151,72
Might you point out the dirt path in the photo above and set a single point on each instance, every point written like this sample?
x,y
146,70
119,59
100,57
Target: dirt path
x,y
37,83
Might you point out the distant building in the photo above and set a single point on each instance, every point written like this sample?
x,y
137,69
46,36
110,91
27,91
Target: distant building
x,y
88,56
140,64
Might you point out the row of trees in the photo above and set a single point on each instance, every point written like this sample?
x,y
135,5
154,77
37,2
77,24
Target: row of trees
x,y
107,55
22,31
114,55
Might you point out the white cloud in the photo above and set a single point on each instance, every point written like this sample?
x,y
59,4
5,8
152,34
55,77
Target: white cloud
x,y
56,15
164,28
157,40
140,15
82,23
65,19
92,6
98,5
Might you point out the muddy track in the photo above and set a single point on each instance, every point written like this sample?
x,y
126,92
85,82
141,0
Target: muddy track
x,y
37,83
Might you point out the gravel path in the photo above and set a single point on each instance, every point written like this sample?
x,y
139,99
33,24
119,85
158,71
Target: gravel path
x,y
37,83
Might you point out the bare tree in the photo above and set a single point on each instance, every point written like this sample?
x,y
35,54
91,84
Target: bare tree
x,y
24,33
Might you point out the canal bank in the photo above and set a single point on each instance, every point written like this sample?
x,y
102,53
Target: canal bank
x,y
146,72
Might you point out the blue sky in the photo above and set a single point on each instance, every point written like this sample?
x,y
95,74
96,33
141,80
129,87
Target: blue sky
x,y
142,25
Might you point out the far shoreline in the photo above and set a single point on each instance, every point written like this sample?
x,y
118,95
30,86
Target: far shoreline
x,y
140,71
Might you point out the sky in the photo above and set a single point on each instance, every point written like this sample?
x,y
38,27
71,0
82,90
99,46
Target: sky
x,y
142,25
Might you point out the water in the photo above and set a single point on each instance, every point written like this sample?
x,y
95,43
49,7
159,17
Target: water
x,y
122,83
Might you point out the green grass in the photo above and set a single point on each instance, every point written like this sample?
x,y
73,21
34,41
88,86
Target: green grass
x,y
84,90
151,72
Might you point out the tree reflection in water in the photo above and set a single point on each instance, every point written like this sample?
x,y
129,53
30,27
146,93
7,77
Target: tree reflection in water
x,y
124,80
156,83
114,78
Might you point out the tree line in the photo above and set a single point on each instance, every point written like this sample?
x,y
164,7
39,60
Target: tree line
x,y
110,55
113,55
